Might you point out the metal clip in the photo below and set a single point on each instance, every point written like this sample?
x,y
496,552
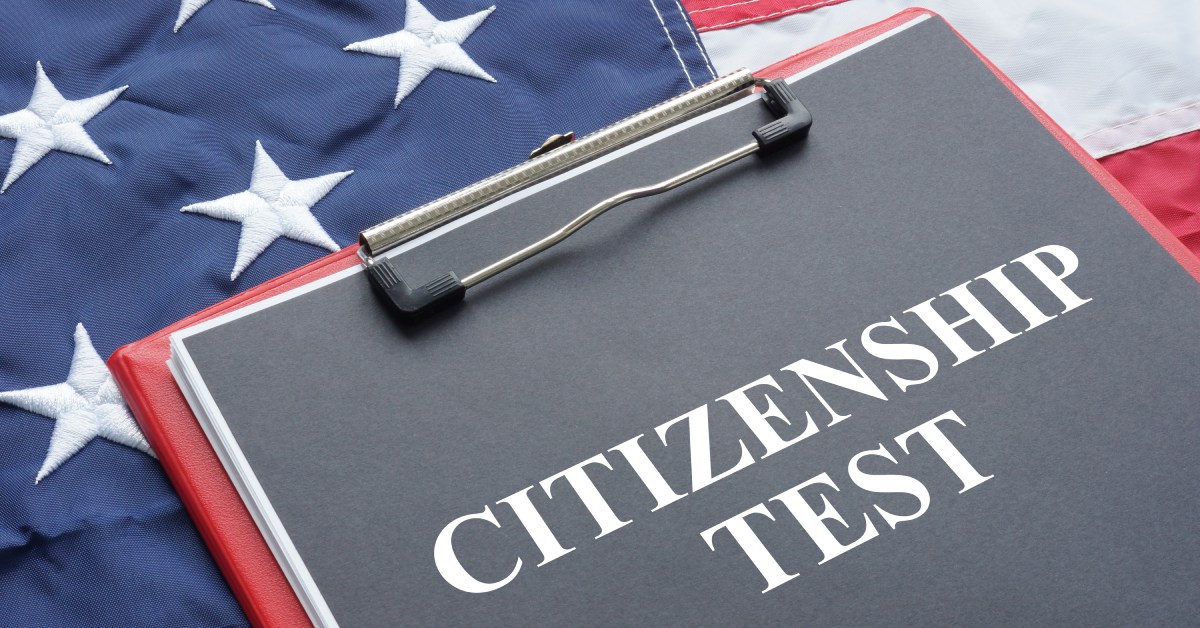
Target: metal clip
x,y
792,123
694,102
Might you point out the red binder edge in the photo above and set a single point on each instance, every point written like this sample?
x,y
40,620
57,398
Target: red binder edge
x,y
241,553
150,391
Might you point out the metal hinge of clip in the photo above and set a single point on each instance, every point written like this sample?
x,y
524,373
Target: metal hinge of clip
x,y
554,141
792,122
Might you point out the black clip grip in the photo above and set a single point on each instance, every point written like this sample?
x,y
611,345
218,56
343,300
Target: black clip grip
x,y
793,119
412,303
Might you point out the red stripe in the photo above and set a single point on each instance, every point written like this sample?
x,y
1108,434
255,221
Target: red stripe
x,y
1165,176
711,15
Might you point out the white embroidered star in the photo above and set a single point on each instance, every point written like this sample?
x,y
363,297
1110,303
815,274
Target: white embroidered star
x,y
188,8
427,44
273,206
85,406
51,122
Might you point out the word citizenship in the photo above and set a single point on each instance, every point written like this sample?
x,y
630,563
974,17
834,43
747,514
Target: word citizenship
x,y
773,432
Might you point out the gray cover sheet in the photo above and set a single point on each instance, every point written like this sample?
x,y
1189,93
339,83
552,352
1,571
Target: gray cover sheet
x,y
922,172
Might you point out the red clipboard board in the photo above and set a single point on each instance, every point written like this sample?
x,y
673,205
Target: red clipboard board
x,y
225,524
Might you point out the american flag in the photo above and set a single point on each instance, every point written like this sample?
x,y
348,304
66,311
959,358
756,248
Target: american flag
x,y
159,156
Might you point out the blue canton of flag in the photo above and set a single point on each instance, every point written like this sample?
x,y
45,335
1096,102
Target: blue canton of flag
x,y
161,155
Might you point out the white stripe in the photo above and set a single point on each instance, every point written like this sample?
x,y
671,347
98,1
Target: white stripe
x,y
1114,74
1144,130
672,41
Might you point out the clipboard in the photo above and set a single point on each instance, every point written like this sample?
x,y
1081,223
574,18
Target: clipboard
x,y
198,475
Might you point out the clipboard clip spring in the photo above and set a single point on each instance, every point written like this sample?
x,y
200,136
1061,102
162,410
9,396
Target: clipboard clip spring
x,y
791,123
